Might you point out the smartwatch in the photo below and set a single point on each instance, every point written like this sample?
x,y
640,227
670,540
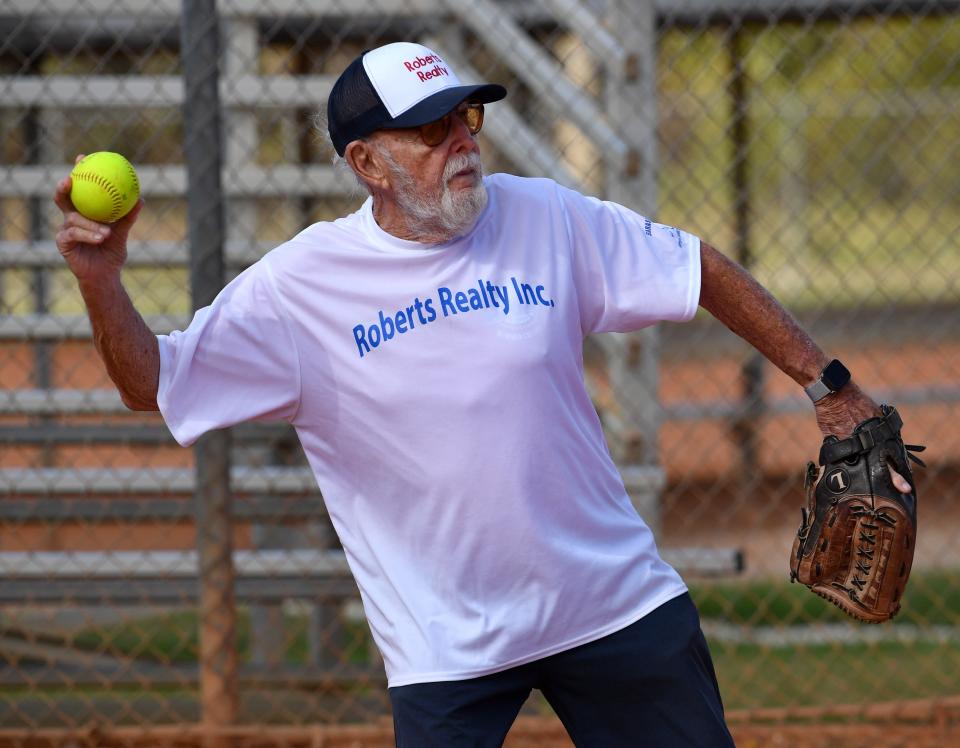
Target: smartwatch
x,y
833,377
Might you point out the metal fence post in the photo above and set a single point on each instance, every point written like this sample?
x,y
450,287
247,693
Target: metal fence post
x,y
36,153
205,202
747,422
634,368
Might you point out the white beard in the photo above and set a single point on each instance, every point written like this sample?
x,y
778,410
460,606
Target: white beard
x,y
443,214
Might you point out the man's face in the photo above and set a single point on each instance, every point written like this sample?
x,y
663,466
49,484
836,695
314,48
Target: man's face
x,y
438,188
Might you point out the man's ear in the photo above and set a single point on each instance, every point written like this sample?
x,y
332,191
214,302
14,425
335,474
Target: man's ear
x,y
363,158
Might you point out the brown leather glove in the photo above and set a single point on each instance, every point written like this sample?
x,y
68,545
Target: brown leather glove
x,y
855,545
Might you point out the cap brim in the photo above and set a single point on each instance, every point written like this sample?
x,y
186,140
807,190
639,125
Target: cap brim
x,y
443,102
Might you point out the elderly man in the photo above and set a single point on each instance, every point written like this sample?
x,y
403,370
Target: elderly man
x,y
427,349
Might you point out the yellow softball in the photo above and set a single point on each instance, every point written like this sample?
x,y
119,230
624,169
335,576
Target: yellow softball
x,y
105,186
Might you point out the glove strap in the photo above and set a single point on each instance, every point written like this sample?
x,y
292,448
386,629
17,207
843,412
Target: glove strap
x,y
868,434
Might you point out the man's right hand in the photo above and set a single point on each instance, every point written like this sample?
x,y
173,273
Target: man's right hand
x,y
93,251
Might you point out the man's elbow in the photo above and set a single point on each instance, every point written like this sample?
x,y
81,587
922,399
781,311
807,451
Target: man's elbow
x,y
138,402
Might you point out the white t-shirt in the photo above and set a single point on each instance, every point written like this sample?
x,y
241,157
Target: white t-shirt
x,y
438,393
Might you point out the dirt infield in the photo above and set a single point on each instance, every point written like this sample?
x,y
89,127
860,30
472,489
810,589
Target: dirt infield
x,y
849,736
910,723
528,732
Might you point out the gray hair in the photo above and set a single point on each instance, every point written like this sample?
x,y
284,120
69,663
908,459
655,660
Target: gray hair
x,y
341,168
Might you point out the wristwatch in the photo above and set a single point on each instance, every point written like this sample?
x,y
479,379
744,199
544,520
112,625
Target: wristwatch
x,y
833,377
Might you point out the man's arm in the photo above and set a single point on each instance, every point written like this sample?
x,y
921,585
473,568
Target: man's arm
x,y
95,254
128,348
735,298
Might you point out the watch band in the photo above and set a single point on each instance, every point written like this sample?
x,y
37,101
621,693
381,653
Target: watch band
x,y
834,377
817,391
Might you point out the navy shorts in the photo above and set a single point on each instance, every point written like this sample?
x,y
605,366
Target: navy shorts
x,y
651,684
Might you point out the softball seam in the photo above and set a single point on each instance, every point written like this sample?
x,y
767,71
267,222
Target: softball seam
x,y
112,192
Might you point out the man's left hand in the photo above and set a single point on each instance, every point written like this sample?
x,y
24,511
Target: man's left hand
x,y
839,413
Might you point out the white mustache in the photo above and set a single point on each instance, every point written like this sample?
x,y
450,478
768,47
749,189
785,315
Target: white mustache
x,y
460,162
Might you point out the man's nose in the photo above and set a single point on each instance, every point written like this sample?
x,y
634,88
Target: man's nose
x,y
463,140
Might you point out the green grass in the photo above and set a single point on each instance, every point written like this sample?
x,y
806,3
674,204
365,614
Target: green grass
x,y
173,638
170,638
792,674
932,598
753,676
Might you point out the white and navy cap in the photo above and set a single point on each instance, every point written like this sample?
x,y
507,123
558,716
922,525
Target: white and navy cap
x,y
397,85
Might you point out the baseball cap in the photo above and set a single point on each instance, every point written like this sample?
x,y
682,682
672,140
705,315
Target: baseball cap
x,y
397,85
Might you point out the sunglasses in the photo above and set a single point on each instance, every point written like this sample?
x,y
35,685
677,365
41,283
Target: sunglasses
x,y
434,133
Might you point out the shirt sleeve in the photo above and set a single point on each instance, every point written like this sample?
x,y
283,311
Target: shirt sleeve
x,y
237,361
629,271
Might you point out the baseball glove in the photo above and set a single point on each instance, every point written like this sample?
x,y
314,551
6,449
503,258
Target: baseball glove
x,y
855,544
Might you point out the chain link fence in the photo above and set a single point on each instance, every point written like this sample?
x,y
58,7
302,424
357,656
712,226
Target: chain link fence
x,y
816,142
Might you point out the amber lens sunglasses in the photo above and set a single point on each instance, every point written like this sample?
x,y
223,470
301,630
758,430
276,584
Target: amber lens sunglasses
x,y
434,133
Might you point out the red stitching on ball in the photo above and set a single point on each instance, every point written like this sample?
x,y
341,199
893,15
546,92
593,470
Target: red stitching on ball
x,y
112,192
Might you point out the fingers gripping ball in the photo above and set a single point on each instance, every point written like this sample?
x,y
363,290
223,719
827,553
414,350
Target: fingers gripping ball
x,y
105,186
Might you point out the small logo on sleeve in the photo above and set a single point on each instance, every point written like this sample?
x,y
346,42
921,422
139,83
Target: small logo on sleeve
x,y
650,228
